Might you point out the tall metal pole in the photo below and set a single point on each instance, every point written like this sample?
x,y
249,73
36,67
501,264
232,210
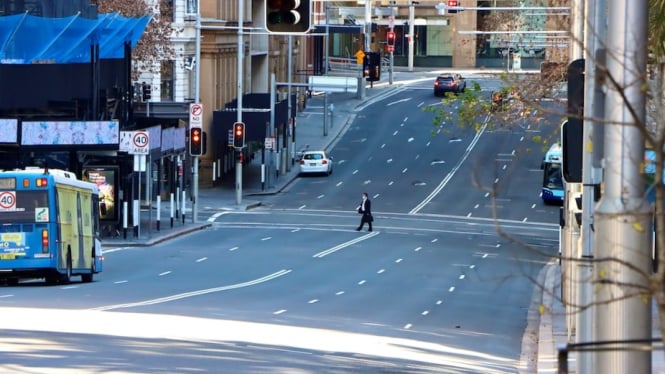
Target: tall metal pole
x,y
241,58
571,232
623,216
289,125
197,99
412,20
594,107
326,41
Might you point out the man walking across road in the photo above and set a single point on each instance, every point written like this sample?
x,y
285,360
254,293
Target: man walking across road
x,y
365,208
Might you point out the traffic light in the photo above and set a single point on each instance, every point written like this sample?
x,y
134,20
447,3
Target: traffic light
x,y
452,4
238,135
195,141
288,16
390,38
372,66
147,94
572,131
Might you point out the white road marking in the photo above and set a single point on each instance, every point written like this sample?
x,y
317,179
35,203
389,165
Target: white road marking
x,y
195,293
165,273
213,217
313,301
451,289
362,282
450,175
266,238
381,271
279,312
201,259
344,245
233,249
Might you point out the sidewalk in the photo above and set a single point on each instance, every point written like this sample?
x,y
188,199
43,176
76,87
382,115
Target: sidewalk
x,y
552,334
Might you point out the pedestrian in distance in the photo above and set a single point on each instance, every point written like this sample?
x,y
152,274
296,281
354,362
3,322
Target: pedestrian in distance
x,y
365,208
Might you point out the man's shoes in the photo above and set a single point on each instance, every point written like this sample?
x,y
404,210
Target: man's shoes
x,y
358,229
370,230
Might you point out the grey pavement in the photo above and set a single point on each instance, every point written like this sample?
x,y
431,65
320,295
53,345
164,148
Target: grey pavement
x,y
549,326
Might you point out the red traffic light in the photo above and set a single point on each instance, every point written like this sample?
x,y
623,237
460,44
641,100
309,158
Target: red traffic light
x,y
452,4
390,38
238,135
195,141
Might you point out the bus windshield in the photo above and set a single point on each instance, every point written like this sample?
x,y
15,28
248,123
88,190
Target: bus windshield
x,y
553,178
27,202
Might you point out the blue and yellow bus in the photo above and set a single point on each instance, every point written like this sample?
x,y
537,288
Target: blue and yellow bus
x,y
49,226
553,189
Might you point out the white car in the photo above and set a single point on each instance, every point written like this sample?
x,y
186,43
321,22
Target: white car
x,y
315,162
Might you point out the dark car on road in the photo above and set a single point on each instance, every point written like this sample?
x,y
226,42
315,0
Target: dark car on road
x,y
449,83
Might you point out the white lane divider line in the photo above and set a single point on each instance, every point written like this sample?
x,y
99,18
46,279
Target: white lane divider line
x,y
344,245
185,295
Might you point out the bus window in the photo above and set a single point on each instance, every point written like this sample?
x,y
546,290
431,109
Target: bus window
x,y
27,202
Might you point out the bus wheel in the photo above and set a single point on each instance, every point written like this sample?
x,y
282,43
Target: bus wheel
x,y
67,277
87,278
12,281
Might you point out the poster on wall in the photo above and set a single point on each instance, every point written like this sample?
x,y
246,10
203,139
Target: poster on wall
x,y
70,133
9,131
105,179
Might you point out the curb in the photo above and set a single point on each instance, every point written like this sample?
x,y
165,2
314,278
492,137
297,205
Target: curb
x,y
157,240
547,352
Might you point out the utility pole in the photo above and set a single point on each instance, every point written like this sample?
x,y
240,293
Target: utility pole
x,y
622,217
594,108
412,28
241,58
570,232
197,99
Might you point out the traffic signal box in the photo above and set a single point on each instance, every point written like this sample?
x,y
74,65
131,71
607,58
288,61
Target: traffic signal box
x,y
288,16
390,41
195,141
452,4
372,66
146,91
238,135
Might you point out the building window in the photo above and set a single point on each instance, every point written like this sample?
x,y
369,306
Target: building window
x,y
191,7
166,86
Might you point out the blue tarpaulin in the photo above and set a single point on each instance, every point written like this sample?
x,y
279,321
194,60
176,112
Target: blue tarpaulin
x,y
26,39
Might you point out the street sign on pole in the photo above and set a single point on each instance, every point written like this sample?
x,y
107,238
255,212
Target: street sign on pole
x,y
195,115
140,143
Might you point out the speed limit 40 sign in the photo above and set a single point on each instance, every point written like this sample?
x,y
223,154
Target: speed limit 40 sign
x,y
140,143
8,200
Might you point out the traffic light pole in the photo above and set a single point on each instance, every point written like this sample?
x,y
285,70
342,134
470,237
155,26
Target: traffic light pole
x,y
240,53
622,307
197,99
